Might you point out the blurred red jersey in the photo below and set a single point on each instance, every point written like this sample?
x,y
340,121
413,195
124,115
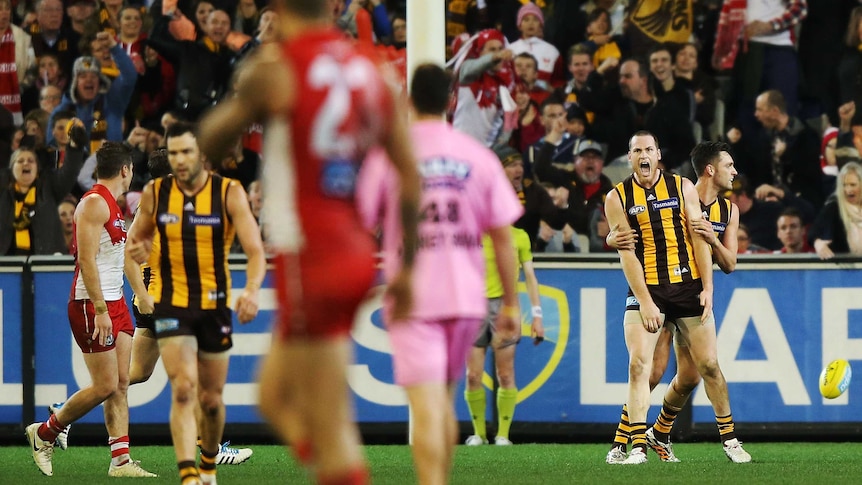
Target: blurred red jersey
x,y
326,258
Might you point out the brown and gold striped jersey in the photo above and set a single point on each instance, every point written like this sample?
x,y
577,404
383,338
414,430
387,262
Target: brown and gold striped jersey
x,y
664,245
195,235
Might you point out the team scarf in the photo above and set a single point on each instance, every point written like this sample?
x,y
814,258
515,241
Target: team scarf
x,y
10,91
24,204
493,88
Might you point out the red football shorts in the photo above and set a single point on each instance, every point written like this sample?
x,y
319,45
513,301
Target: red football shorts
x,y
81,319
318,297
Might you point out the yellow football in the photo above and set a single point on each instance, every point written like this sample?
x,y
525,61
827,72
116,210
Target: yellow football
x,y
835,378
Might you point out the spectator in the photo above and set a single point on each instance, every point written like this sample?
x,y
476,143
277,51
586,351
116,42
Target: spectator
x,y
661,67
838,227
79,13
98,101
759,216
109,16
54,154
49,35
66,211
633,106
47,73
850,68
131,36
538,204
702,85
526,70
486,78
587,84
769,60
791,233
246,17
560,146
530,128
240,164
744,244
785,154
156,87
29,222
530,24
551,240
600,43
203,66
586,186
16,55
49,98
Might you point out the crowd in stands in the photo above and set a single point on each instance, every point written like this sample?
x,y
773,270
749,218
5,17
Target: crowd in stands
x,y
563,84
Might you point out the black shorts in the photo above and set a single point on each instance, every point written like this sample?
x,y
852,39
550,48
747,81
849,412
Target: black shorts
x,y
143,321
679,300
213,329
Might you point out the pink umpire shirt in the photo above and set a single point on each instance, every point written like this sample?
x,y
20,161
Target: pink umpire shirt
x,y
465,193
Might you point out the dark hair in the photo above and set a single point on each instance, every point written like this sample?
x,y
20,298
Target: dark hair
x,y
792,212
158,163
180,128
643,133
111,157
63,115
663,46
527,55
707,153
429,89
596,14
552,99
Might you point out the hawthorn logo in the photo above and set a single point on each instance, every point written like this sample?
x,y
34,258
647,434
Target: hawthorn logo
x,y
663,20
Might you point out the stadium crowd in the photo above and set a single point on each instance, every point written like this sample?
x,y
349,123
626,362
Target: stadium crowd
x,y
563,83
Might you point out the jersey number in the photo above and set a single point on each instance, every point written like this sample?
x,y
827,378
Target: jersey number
x,y
328,140
432,212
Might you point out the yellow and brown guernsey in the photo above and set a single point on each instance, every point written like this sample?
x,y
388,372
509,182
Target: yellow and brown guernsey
x,y
195,235
664,246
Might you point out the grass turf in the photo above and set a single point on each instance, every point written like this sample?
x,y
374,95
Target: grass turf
x,y
774,463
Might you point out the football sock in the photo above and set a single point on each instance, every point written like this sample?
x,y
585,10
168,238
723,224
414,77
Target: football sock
x,y
119,450
639,436
208,464
624,430
49,430
476,404
725,427
188,472
507,398
303,452
664,421
356,476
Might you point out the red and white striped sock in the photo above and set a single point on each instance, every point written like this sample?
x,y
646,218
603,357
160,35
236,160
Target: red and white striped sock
x,y
119,450
49,430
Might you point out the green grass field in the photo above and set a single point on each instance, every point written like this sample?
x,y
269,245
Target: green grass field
x,y
774,463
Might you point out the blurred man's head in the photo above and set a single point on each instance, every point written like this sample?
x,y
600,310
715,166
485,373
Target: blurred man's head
x,y
589,161
552,110
791,231
527,68
770,108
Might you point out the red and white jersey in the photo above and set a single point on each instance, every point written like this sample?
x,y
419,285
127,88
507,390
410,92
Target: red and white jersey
x,y
110,258
550,63
312,155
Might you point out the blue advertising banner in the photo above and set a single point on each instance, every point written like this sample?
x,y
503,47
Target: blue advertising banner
x,y
11,389
778,325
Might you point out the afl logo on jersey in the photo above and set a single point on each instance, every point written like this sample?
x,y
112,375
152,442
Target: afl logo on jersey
x,y
167,218
637,209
